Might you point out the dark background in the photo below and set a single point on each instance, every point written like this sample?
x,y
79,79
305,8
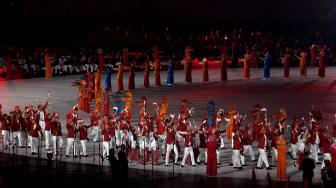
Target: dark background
x,y
22,19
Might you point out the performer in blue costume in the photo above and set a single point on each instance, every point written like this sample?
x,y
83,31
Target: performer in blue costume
x,y
170,72
211,113
266,60
108,84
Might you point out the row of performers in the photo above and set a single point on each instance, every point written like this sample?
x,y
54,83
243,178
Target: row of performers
x,y
170,134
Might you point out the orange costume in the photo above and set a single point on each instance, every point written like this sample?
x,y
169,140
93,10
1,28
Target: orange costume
x,y
247,61
120,77
99,100
156,65
303,60
205,68
232,124
281,162
48,61
128,100
164,105
82,86
97,81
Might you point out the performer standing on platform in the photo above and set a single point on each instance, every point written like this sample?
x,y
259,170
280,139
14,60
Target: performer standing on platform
x,y
156,65
322,58
212,145
205,69
146,73
247,64
48,59
108,83
120,78
170,72
267,60
303,61
188,64
131,76
313,55
286,61
223,62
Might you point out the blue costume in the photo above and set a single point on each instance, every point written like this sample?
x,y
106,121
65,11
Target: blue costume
x,y
170,72
108,84
211,113
118,103
267,60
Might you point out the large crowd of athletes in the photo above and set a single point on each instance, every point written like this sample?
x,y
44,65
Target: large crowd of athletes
x,y
154,136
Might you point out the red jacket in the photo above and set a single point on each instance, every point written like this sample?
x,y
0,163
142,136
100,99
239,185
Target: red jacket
x,y
37,114
313,136
56,128
188,140
334,130
83,133
246,137
182,125
47,124
4,124
71,131
106,135
16,124
275,138
262,141
237,143
294,136
170,135
35,129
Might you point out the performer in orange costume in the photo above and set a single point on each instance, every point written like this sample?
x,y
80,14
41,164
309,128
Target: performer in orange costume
x,y
120,77
48,59
81,101
303,61
247,63
205,69
156,65
281,162
188,64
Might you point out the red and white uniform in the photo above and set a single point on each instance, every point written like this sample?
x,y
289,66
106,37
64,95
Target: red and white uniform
x,y
294,142
56,132
4,126
247,142
71,127
95,116
212,146
237,148
106,140
35,135
188,148
262,154
314,141
170,142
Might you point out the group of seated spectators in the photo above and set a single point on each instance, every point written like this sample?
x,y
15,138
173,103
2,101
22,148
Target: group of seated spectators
x,y
80,55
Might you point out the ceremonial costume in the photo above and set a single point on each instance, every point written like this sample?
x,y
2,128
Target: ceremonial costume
x,y
146,74
156,65
286,62
188,64
266,61
212,146
247,62
303,61
223,63
120,78
48,59
205,69
322,57
4,126
170,72
237,150
131,77
83,137
313,55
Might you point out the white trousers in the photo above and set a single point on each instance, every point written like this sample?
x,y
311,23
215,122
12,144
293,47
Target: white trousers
x,y
70,145
169,148
162,143
187,151
83,143
118,137
202,151
5,135
34,144
29,141
236,158
57,142
293,150
113,142
222,141
106,148
326,156
262,158
314,152
47,136
17,135
95,133
248,150
274,155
